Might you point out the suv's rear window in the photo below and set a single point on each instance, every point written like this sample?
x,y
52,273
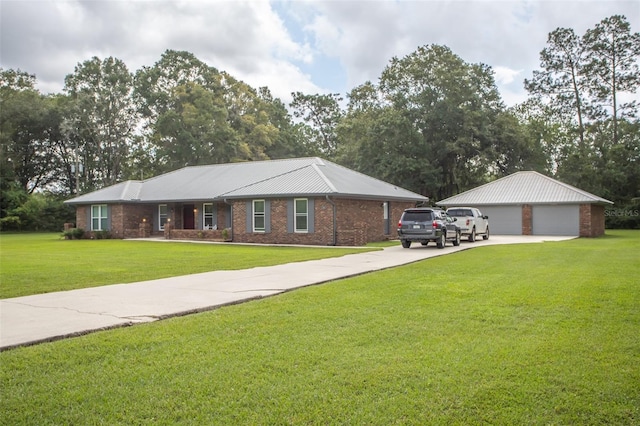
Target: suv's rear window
x,y
459,212
417,216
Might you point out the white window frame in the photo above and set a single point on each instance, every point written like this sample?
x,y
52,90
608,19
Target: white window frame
x,y
102,215
259,214
207,215
297,214
162,216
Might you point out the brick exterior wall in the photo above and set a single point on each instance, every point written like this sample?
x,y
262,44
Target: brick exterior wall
x,y
323,224
527,219
81,217
126,219
357,222
591,220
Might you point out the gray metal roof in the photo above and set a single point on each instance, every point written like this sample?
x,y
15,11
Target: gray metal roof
x,y
523,188
292,177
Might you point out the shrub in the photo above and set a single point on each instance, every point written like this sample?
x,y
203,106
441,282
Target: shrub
x,y
73,234
102,235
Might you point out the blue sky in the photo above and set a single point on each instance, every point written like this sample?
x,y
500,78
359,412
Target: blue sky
x,y
291,45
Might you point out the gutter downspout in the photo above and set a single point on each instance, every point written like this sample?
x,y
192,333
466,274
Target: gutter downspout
x,y
334,234
231,218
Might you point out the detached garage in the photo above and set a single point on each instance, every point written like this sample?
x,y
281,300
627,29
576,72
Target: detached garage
x,y
530,203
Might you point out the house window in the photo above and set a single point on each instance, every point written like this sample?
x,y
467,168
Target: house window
x,y
162,216
207,215
258,216
99,217
301,213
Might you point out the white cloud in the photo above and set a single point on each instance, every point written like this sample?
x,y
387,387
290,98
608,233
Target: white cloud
x,y
504,75
290,45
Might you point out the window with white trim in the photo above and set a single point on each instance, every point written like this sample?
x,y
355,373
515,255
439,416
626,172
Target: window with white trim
x,y
258,216
301,214
163,215
99,218
207,215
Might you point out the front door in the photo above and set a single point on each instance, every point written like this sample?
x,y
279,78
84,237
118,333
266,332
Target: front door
x,y
188,216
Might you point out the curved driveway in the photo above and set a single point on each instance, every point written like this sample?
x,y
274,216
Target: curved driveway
x,y
51,316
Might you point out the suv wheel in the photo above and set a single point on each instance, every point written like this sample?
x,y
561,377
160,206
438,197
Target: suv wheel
x,y
442,240
406,243
456,242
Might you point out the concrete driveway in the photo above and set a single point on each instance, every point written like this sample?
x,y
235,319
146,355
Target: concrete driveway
x,y
51,316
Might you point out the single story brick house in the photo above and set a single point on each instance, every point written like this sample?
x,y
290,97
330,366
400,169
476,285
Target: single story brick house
x,y
530,203
293,201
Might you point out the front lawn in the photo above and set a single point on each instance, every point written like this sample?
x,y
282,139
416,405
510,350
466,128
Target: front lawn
x,y
523,334
42,263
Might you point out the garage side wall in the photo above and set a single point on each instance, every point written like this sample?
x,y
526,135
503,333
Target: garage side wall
x,y
591,220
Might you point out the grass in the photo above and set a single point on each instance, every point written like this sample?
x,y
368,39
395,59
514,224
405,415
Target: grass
x,y
42,263
524,334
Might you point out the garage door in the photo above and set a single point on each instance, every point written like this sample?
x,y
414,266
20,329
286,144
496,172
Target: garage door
x,y
504,220
556,220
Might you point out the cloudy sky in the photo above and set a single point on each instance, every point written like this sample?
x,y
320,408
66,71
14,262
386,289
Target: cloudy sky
x,y
291,45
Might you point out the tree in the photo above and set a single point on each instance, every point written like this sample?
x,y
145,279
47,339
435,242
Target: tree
x,y
321,115
452,105
382,142
591,76
103,119
155,85
28,131
561,78
516,148
194,130
250,119
289,142
613,53
195,114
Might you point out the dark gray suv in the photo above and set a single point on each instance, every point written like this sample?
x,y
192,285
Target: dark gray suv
x,y
427,224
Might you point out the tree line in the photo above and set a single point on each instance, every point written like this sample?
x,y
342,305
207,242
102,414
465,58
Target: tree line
x,y
432,123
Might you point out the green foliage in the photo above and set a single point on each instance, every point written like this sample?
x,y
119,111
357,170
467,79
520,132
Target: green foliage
x,y
322,115
29,137
73,234
432,123
538,334
101,120
623,216
34,212
583,84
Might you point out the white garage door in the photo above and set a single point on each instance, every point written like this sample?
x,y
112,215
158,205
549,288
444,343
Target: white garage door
x,y
556,220
504,220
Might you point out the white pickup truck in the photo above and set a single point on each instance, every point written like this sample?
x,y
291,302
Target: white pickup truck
x,y
471,222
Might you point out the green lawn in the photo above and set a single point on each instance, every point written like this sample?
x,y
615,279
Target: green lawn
x,y
523,334
42,263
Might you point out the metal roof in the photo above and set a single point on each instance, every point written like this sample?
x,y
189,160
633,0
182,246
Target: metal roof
x,y
523,188
292,177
